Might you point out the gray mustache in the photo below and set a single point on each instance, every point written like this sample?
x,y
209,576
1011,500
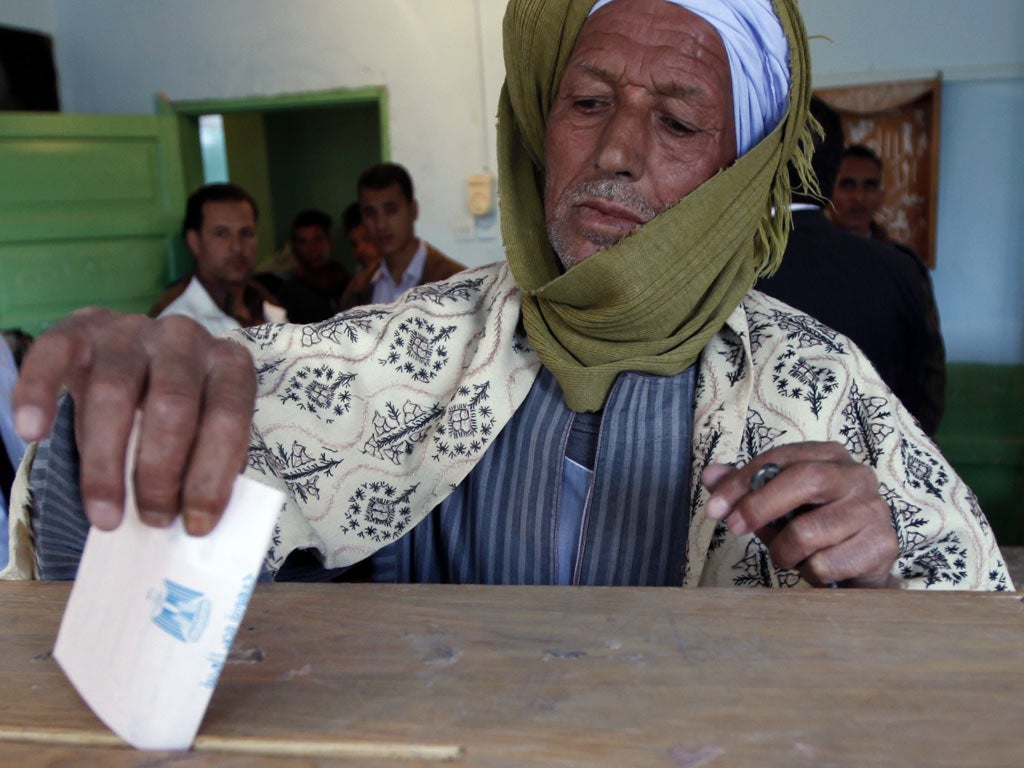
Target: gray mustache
x,y
620,192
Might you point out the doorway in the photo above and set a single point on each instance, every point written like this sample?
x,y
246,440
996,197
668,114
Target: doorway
x,y
291,152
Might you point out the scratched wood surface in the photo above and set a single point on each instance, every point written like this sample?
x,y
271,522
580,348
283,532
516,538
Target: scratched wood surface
x,y
576,676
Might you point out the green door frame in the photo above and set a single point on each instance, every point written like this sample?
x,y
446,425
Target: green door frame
x,y
337,97
187,113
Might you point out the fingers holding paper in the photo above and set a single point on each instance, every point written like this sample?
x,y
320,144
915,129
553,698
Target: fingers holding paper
x,y
822,513
195,393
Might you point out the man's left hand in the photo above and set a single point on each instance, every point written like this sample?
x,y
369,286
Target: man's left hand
x,y
842,529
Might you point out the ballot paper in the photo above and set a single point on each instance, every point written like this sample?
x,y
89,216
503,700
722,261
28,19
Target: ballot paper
x,y
153,613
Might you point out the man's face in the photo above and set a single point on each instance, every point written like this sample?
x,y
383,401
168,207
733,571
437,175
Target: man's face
x,y
389,219
642,117
225,245
311,246
362,245
858,194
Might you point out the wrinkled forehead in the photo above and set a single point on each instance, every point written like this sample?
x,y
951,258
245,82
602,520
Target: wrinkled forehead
x,y
758,54
650,30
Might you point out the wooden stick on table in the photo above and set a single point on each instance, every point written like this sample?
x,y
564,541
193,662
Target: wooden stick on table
x,y
365,750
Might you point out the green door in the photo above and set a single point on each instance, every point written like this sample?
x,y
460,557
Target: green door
x,y
90,206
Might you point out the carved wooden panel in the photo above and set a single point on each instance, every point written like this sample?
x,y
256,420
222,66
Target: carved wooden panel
x,y
900,121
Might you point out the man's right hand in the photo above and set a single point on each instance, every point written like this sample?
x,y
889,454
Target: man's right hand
x,y
196,393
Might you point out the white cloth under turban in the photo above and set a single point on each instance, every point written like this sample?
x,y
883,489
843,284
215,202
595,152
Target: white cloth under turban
x,y
758,61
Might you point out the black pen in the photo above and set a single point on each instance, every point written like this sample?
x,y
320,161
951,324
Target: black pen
x,y
759,480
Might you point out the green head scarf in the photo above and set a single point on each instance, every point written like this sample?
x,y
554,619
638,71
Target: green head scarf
x,y
651,302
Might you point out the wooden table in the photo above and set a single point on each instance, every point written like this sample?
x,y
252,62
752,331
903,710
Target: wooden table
x,y
1014,557
513,676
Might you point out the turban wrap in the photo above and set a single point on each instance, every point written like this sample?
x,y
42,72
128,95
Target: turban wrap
x,y
757,51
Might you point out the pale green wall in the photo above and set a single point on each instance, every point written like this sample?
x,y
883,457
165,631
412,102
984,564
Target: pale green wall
x,y
245,139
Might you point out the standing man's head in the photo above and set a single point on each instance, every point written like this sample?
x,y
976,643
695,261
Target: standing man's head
x,y
220,231
389,210
858,193
311,239
359,236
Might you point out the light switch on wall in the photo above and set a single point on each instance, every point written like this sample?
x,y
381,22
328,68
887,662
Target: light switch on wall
x,y
480,188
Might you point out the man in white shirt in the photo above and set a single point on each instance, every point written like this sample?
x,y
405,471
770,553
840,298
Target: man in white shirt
x,y
220,231
389,211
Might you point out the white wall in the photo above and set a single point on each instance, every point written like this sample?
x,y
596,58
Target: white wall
x,y
36,15
879,38
979,49
441,62
114,55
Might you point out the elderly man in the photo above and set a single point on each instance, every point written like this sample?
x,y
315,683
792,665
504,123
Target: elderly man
x,y
606,407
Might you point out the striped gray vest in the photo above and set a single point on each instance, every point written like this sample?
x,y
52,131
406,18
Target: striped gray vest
x,y
498,526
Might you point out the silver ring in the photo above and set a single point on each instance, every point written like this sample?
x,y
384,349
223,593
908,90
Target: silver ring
x,y
764,473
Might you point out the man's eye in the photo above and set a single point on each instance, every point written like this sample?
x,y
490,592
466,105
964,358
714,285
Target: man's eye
x,y
677,127
588,104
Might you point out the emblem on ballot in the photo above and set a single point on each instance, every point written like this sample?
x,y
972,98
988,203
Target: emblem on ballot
x,y
179,611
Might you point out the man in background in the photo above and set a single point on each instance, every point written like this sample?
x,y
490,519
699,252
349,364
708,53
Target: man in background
x,y
601,408
363,249
220,232
865,290
858,197
311,292
389,211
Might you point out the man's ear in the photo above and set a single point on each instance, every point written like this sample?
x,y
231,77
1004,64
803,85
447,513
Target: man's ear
x,y
192,241
415,210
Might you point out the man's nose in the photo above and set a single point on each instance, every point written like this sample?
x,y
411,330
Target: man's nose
x,y
623,145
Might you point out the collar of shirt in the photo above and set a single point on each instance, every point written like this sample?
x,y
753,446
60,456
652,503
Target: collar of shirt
x,y
384,288
197,303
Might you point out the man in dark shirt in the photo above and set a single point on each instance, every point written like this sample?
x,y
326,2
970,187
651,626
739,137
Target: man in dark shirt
x,y
857,199
312,291
867,291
